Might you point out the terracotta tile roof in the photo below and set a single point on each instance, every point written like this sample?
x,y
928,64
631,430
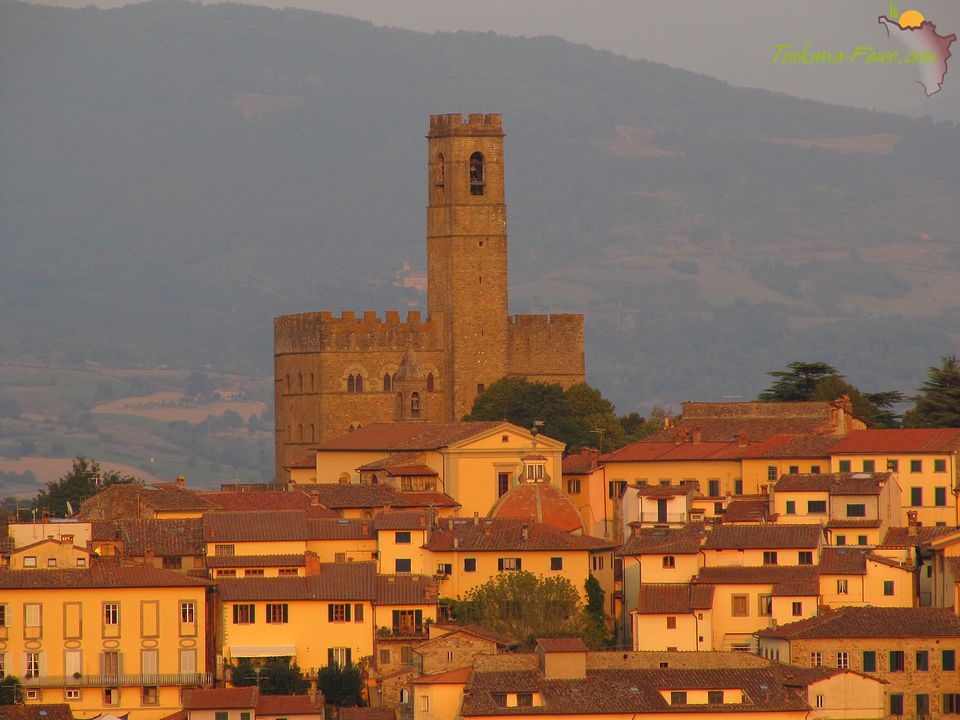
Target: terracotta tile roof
x,y
164,537
752,430
684,540
747,510
479,631
406,590
763,537
491,535
130,500
403,520
540,502
260,500
406,436
581,463
922,440
901,537
808,588
307,462
674,598
820,409
339,529
287,705
805,677
792,446
392,459
222,698
756,575
367,713
872,622
622,692
953,565
340,496
37,712
659,491
104,530
853,523
251,526
562,645
843,561
862,483
335,581
648,450
452,677
399,465
100,574
246,561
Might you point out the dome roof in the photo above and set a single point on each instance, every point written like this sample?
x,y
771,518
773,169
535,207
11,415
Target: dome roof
x,y
540,502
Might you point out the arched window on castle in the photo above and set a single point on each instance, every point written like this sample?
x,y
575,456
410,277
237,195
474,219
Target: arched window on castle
x,y
359,382
300,431
287,381
415,405
430,382
312,386
387,382
301,381
476,174
351,383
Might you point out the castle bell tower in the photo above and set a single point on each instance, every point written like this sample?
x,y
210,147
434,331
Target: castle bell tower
x,y
467,253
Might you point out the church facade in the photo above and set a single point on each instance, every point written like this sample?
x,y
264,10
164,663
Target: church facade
x,y
334,373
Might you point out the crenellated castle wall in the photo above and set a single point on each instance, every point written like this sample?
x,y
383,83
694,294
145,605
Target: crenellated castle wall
x,y
323,332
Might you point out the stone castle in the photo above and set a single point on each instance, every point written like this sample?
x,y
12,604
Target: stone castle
x,y
333,374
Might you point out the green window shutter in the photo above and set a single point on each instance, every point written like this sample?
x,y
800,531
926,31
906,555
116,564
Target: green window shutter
x,y
330,660
347,610
330,619
349,657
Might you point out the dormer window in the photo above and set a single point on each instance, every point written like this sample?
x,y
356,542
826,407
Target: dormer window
x,y
476,174
535,471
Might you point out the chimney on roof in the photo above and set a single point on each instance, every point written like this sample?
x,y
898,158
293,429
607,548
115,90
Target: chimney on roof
x,y
456,543
422,520
364,528
476,518
181,481
741,440
314,499
311,564
697,436
387,507
634,528
148,556
449,523
344,478
912,525
697,514
525,531
486,527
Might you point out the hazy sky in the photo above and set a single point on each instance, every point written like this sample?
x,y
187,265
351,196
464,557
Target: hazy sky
x,y
732,40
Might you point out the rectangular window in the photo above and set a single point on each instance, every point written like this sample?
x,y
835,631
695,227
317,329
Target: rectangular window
x,y
30,561
288,571
669,562
253,572
771,473
893,465
814,469
338,612
916,496
402,537
358,612
713,487
738,486
556,563
110,663
51,562
791,507
499,699
469,564
740,606
444,569
844,466
188,661
805,557
32,665
71,694
897,661
888,587
940,465
715,697
923,705
615,488
508,564
923,660
276,613
678,697
840,540
765,608
948,660
111,696
149,662
794,469
896,704
951,703
3,616
916,466
221,715
816,507
769,557
869,661
223,550
33,615
816,659
861,539
384,657
425,703
797,608
843,586
503,484
402,565
406,655
187,612
856,510
573,487
149,696
819,701
940,497
524,699
843,660
172,563
244,614
671,623
869,465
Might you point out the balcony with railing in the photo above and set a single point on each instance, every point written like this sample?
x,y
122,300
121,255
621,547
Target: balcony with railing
x,y
114,680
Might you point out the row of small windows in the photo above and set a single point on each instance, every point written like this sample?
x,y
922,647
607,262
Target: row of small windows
x,y
897,660
477,180
355,383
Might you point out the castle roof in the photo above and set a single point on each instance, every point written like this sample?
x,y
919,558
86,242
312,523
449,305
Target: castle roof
x,y
540,502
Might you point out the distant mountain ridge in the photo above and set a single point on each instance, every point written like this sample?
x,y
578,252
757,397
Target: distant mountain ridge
x,y
173,175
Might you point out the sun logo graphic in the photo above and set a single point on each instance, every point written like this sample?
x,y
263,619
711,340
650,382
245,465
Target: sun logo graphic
x,y
926,49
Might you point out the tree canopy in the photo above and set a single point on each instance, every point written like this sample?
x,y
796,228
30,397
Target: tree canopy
x,y
84,479
579,416
340,685
278,676
938,402
525,606
805,381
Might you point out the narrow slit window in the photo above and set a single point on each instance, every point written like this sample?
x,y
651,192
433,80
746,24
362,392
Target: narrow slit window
x,y
476,174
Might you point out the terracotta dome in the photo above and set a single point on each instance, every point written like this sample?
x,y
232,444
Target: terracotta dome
x,y
540,502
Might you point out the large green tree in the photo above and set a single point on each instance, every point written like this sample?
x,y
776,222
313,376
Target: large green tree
x,y
525,606
340,686
804,381
84,479
938,403
10,691
579,416
277,676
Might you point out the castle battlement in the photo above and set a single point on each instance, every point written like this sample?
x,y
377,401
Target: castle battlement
x,y
475,124
556,320
324,330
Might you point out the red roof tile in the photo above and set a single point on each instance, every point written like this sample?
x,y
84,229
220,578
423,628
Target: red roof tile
x,y
406,436
47,711
100,574
255,561
491,535
339,529
647,450
861,483
756,575
341,496
674,598
479,631
251,526
222,698
287,705
581,463
921,440
747,510
452,677
403,520
539,502
872,622
261,500
684,540
763,537
902,537
163,537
